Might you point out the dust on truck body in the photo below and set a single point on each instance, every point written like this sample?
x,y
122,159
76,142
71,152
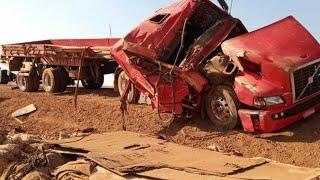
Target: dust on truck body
x,y
57,63
194,56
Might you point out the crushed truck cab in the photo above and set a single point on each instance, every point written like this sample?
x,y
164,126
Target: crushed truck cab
x,y
194,56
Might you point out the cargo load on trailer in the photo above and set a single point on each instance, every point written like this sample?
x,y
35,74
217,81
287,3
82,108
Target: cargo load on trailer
x,y
194,56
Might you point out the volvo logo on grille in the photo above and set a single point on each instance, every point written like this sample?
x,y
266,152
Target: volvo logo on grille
x,y
310,80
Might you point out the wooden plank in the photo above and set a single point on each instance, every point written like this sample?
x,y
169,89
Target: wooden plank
x,y
24,111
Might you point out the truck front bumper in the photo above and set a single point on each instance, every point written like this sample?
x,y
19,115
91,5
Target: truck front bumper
x,y
272,120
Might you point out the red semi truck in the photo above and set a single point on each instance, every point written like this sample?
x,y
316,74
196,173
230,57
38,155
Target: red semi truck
x,y
194,56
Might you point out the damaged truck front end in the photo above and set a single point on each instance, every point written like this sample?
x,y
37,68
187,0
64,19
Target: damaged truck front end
x,y
280,75
194,56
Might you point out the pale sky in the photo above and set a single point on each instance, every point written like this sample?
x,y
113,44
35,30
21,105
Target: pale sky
x,y
27,20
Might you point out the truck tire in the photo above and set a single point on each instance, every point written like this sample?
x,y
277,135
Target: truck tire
x,y
4,78
51,80
222,107
28,83
64,79
134,95
93,84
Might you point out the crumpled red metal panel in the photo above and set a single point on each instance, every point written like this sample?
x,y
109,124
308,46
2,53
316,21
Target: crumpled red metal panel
x,y
165,99
146,41
194,79
286,44
136,74
151,39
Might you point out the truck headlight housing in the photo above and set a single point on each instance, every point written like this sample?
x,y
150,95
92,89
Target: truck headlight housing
x,y
268,101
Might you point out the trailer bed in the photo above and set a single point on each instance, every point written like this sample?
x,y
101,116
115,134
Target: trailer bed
x,y
62,51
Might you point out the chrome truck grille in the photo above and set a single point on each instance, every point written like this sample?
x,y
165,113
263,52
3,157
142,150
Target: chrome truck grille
x,y
306,80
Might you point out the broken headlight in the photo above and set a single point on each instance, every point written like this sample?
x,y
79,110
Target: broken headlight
x,y
268,101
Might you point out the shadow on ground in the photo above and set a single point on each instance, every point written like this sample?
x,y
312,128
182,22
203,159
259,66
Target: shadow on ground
x,y
306,130
3,99
175,126
82,91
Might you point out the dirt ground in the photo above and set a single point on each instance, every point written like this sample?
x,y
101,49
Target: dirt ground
x,y
99,110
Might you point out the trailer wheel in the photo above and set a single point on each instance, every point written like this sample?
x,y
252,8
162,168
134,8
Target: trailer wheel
x,y
28,83
222,107
4,78
93,84
134,95
51,80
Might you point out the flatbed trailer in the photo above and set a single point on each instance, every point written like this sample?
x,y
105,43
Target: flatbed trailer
x,y
57,63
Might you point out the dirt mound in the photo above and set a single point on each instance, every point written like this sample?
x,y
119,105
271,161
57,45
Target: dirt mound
x,y
99,111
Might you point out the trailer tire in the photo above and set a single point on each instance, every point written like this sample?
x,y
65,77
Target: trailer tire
x,y
93,84
28,83
36,80
222,107
4,78
51,80
64,78
134,95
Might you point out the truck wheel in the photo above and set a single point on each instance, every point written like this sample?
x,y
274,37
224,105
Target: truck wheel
x,y
134,95
51,80
64,78
222,107
93,84
28,83
4,78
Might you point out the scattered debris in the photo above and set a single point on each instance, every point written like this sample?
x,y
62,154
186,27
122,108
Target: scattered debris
x,y
235,153
9,151
216,148
83,133
279,134
23,139
15,148
24,111
63,135
106,156
79,134
220,149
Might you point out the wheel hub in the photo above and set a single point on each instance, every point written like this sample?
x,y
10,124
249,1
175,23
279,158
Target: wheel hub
x,y
221,109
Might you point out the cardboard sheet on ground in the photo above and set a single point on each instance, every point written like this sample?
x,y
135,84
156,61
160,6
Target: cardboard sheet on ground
x,y
127,153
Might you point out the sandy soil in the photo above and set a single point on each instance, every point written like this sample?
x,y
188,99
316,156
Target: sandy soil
x,y
298,144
